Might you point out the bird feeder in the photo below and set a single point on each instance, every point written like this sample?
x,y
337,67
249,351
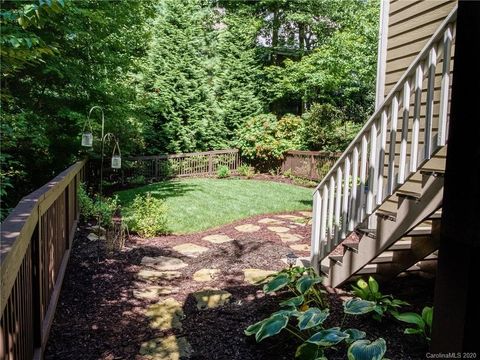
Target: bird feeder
x,y
116,157
87,136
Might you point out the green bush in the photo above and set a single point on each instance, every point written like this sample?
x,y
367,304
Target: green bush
x,y
246,170
327,129
264,139
94,209
148,216
223,172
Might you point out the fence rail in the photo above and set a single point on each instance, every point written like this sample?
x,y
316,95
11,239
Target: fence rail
x,y
174,165
313,165
35,246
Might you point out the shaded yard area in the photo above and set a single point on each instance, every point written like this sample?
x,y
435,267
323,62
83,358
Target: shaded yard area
x,y
200,204
145,302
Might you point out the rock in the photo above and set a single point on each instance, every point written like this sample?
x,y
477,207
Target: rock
x,y
286,237
271,221
163,263
306,213
94,237
96,228
166,348
154,292
278,229
217,238
301,261
189,249
293,218
247,228
211,298
205,275
257,276
166,314
148,274
300,247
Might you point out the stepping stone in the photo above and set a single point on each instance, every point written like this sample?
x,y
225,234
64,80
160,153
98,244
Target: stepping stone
x,y
300,247
257,276
292,226
166,314
290,217
306,213
206,275
189,249
163,263
211,298
217,238
301,261
271,221
95,237
287,237
154,292
247,228
166,348
148,274
278,229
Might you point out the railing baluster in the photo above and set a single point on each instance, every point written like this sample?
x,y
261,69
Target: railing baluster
x,y
416,118
346,188
371,167
338,204
381,157
323,222
331,203
445,87
363,177
402,162
315,240
393,145
432,64
353,196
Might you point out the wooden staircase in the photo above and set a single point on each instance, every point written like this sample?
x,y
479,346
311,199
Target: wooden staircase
x,y
387,187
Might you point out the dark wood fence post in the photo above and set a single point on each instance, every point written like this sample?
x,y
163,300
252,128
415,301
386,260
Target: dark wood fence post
x,y
210,164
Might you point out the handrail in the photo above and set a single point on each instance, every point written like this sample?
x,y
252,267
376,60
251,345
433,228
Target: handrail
x,y
356,184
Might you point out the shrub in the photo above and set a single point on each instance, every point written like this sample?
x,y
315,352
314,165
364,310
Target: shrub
x,y
148,216
223,172
246,170
96,208
423,322
326,128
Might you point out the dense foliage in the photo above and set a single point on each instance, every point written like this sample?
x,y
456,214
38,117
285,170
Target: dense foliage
x,y
179,76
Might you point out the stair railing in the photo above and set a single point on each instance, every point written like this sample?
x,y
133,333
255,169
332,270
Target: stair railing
x,y
416,111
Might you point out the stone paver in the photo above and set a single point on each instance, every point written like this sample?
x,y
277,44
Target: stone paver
x,y
301,261
166,314
166,348
300,247
294,218
247,228
153,292
164,263
278,229
217,238
152,275
257,276
189,249
271,221
287,237
211,298
306,213
206,275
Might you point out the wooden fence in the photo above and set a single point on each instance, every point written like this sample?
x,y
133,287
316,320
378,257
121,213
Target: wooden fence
x,y
312,165
35,246
157,167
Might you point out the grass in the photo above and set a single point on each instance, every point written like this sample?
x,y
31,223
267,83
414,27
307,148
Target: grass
x,y
199,204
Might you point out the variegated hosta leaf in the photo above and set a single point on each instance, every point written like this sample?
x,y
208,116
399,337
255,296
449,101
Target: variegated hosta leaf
x,y
293,302
311,318
276,283
308,351
366,350
358,306
252,329
306,282
354,335
272,326
327,337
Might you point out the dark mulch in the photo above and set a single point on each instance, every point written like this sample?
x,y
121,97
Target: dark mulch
x,y
98,318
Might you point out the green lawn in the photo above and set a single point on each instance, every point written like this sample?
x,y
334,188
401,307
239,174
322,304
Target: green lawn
x,y
199,204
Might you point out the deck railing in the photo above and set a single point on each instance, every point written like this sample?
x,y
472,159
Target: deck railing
x,y
403,133
35,246
313,165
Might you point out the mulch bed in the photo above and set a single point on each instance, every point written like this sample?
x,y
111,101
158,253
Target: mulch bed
x,y
98,318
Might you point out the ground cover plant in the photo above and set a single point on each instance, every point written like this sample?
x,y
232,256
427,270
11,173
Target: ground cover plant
x,y
199,204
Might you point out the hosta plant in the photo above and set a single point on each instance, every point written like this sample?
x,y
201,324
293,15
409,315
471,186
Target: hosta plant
x,y
385,304
422,323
